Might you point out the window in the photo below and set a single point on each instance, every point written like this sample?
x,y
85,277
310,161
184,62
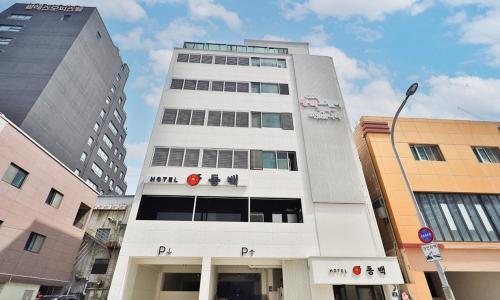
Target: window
x,y
65,17
102,113
228,119
207,59
231,60
82,215
115,169
115,151
106,178
5,41
120,100
160,157
102,155
113,89
111,182
198,117
181,282
255,61
255,87
120,156
15,176
91,184
121,175
96,127
281,63
203,85
283,89
11,28
108,100
241,119
229,86
487,154
240,159
182,57
225,159
214,118
242,87
183,117
77,172
426,152
209,159
175,158
285,160
100,266
111,164
169,116
194,58
462,217
19,17
268,159
54,198
118,190
218,86
221,209
191,157
271,88
243,61
112,128
107,141
271,120
172,208
98,35
83,157
103,234
275,210
90,141
117,116
118,77
98,171
120,139
189,84
220,60
35,242
177,84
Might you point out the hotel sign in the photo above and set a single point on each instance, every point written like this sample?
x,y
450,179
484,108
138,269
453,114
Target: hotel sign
x,y
323,110
373,271
49,7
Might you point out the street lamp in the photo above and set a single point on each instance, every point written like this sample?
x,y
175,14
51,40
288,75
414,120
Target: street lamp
x,y
442,276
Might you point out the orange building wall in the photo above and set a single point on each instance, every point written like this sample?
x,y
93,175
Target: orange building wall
x,y
461,172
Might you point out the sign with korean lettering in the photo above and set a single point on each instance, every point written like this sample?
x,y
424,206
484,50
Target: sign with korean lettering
x,y
49,7
431,252
372,271
195,180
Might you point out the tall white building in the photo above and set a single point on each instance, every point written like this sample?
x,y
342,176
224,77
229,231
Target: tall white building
x,y
251,187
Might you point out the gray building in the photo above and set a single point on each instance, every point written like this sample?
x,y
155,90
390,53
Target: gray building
x,y
61,81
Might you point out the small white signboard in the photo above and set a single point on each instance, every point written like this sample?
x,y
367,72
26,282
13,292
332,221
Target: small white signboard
x,y
431,252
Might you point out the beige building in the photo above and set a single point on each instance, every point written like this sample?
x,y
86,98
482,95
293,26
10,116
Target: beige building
x,y
100,247
44,210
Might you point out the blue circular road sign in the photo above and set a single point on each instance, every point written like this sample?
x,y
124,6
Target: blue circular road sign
x,y
426,235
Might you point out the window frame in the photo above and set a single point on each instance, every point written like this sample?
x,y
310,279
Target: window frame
x,y
30,243
51,197
18,170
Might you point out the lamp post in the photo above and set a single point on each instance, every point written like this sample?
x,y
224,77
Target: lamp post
x,y
442,276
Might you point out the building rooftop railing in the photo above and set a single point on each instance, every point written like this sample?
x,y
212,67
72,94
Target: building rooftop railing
x,y
234,48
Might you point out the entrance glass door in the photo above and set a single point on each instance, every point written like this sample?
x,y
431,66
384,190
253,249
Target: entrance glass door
x,y
358,292
239,286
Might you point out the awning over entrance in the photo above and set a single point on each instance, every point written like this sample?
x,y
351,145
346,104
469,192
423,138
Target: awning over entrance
x,y
355,271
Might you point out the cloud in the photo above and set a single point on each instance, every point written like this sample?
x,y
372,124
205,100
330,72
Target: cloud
x,y
342,9
206,9
124,10
153,96
482,29
136,151
364,33
317,36
132,179
133,40
178,31
367,90
270,37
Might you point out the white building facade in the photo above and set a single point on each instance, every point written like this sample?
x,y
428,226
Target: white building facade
x,y
251,186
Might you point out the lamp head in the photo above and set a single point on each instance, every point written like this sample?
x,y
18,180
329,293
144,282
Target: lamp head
x,y
412,89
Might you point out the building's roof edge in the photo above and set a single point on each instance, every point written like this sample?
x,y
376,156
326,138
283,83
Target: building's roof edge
x,y
365,118
275,42
45,150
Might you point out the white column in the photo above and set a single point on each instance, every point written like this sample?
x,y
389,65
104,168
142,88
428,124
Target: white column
x,y
322,292
206,278
124,272
296,280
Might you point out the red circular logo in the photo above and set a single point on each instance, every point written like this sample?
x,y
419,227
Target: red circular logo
x,y
193,179
356,270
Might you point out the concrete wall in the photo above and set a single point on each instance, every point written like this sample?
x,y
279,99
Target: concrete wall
x,y
474,285
24,210
54,78
72,101
21,291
